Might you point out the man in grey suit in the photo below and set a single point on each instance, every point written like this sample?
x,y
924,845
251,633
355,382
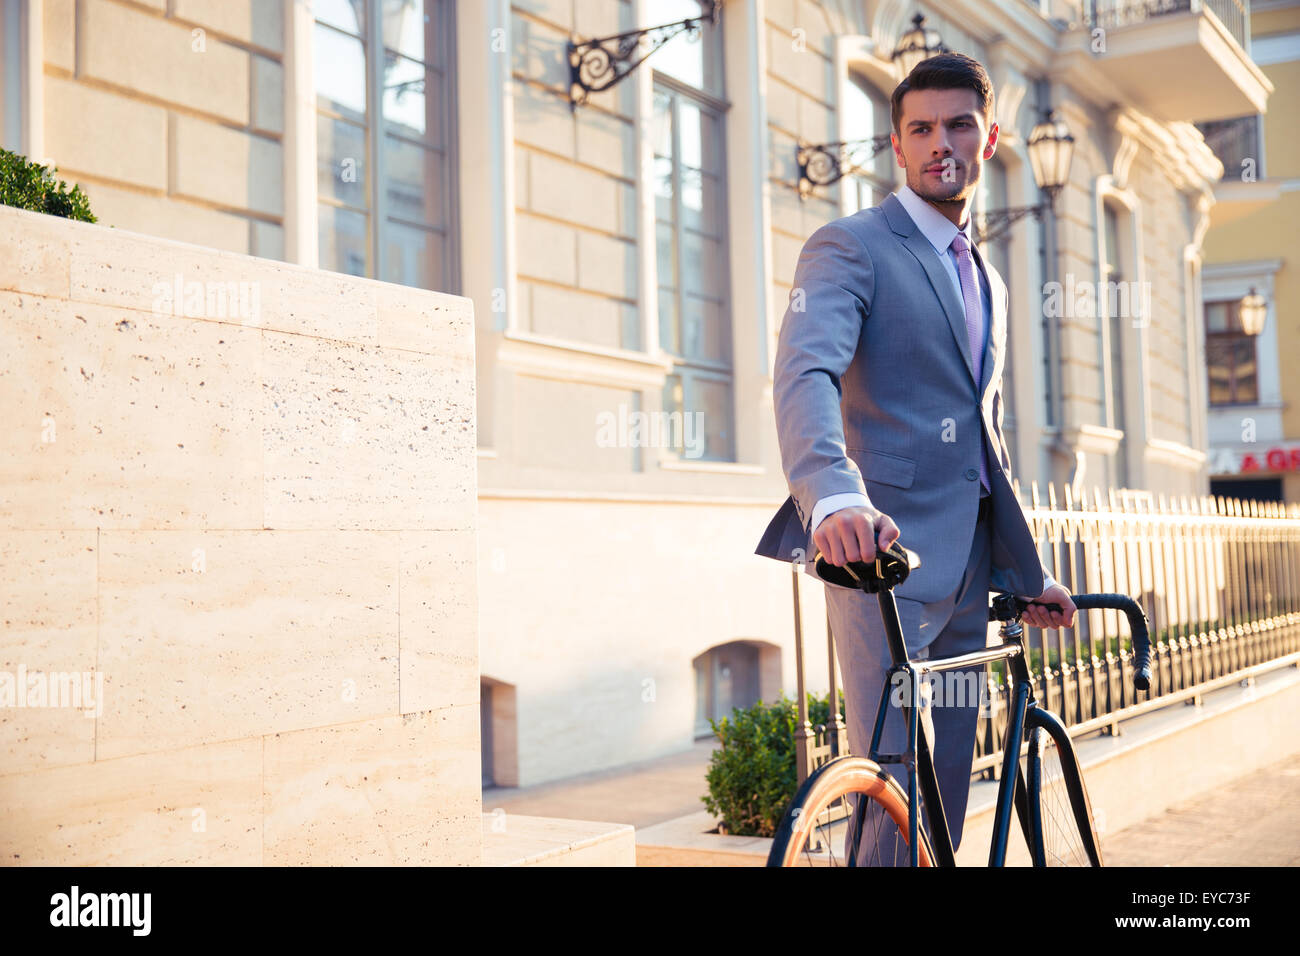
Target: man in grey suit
x,y
887,392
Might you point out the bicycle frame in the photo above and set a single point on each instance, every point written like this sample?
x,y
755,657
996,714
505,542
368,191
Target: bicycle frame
x,y
919,750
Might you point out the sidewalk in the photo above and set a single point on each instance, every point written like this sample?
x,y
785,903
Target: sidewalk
x,y
641,794
1252,821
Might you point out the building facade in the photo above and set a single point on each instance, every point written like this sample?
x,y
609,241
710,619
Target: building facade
x,y
630,258
1254,404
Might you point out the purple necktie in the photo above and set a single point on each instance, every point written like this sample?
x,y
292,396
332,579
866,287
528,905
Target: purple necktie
x,y
974,326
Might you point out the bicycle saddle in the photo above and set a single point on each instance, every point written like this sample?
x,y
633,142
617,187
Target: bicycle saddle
x,y
890,569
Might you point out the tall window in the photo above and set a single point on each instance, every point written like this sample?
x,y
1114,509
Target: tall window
x,y
1114,271
384,167
690,229
1230,355
866,114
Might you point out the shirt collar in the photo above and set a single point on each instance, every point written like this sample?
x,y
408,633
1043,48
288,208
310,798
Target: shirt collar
x,y
934,225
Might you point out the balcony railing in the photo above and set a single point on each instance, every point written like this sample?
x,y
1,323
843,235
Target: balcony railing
x,y
1219,582
1233,141
1108,14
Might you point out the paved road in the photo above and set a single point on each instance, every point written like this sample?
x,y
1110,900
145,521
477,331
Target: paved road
x,y
1253,821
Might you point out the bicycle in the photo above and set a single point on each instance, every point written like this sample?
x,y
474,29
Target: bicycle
x,y
1048,792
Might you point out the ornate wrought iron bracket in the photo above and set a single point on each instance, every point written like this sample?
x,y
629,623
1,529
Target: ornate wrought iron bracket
x,y
992,226
823,164
598,64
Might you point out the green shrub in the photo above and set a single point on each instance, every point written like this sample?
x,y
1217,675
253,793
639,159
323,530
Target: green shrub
x,y
28,185
751,777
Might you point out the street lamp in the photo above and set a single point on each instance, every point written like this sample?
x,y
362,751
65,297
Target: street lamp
x,y
1253,312
1051,151
917,44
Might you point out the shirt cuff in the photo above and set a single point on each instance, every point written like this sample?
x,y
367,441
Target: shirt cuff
x,y
833,503
1048,580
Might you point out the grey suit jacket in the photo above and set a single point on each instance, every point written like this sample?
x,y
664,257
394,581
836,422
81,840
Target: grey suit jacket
x,y
874,392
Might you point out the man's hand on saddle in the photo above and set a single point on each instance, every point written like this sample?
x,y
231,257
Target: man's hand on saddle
x,y
850,534
1044,616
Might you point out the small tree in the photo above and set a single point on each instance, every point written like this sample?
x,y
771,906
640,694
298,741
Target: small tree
x,y
752,776
28,185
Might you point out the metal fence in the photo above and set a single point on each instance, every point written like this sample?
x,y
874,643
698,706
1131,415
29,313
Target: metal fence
x,y
1233,14
1219,582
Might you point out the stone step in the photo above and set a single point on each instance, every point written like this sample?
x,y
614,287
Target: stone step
x,y
518,840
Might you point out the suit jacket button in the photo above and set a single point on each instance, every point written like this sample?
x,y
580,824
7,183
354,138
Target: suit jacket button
x,y
971,474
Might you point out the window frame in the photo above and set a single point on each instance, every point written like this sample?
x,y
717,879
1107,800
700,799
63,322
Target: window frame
x,y
377,212
1231,335
692,371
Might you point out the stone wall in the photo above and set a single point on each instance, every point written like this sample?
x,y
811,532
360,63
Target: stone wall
x,y
252,529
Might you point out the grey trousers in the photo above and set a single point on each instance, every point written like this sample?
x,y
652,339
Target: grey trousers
x,y
950,700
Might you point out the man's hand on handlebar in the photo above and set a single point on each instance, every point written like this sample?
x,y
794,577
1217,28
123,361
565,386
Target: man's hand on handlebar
x,y
1038,616
850,534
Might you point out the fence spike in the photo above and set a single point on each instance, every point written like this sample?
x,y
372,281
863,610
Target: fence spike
x,y
1033,488
1051,495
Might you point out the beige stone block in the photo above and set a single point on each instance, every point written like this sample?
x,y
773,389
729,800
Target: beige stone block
x,y
60,27
95,131
542,119
256,22
557,12
424,321
598,18
226,166
124,269
208,636
399,790
539,52
126,419
607,265
359,437
164,62
521,178
546,250
167,218
268,95
47,644
607,142
199,806
565,191
438,619
34,253
806,69
558,425
579,316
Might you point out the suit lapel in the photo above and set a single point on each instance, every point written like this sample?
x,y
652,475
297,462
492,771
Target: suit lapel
x,y
920,247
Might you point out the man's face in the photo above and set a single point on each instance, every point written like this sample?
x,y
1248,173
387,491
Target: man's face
x,y
942,142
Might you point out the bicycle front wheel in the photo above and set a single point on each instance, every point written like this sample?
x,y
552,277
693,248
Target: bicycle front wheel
x,y
849,812
1061,831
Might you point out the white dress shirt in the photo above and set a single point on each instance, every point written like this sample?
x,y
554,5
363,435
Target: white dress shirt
x,y
940,231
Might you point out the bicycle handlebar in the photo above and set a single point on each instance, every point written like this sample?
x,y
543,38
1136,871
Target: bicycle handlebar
x,y
1137,623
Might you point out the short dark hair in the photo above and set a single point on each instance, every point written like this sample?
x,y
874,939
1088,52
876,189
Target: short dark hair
x,y
945,71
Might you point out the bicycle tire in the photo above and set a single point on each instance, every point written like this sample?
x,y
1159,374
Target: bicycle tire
x,y
1062,832
833,781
